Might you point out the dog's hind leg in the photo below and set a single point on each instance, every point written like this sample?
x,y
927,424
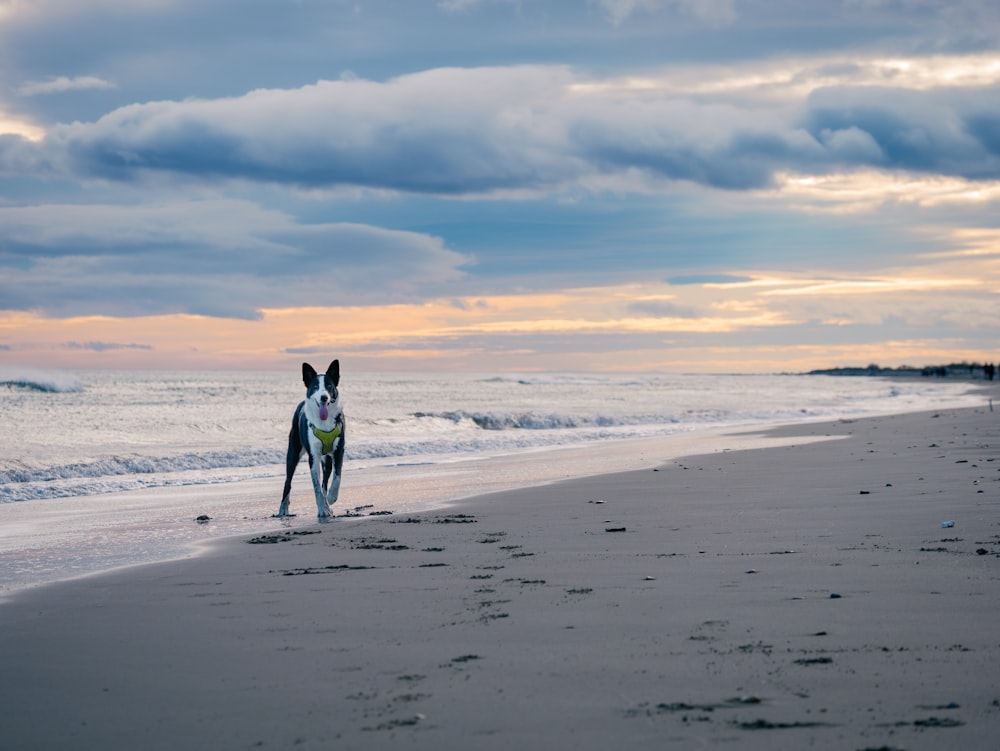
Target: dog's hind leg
x,y
291,462
290,465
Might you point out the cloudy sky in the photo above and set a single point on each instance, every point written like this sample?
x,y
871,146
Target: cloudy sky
x,y
672,185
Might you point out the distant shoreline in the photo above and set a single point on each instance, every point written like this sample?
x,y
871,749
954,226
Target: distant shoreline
x,y
964,370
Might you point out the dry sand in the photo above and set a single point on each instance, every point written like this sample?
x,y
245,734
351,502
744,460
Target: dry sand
x,y
786,598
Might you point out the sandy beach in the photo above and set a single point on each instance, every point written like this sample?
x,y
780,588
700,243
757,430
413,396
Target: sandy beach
x,y
802,596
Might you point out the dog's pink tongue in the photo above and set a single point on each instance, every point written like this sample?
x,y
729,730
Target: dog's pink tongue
x,y
324,412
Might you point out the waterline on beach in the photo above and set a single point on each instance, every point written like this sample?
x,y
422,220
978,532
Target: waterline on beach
x,y
58,539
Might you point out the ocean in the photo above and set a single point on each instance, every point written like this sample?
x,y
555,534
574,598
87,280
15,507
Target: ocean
x,y
99,432
129,459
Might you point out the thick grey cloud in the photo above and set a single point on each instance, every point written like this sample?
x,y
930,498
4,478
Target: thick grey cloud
x,y
528,128
445,132
214,257
946,132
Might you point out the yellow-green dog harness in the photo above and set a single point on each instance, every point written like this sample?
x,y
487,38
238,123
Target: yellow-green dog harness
x,y
327,437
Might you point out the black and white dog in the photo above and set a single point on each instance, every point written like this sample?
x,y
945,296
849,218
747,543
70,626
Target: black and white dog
x,y
318,432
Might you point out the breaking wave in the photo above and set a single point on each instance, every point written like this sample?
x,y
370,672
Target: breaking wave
x,y
528,420
20,481
140,465
48,381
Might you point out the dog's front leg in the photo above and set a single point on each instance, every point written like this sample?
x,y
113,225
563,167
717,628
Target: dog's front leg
x,y
330,489
315,470
334,492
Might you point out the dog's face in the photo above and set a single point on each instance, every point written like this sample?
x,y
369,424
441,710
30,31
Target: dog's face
x,y
321,389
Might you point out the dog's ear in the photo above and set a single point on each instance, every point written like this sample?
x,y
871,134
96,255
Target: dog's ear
x,y
333,372
308,373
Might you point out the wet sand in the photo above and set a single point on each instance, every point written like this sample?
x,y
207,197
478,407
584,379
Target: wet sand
x,y
791,597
